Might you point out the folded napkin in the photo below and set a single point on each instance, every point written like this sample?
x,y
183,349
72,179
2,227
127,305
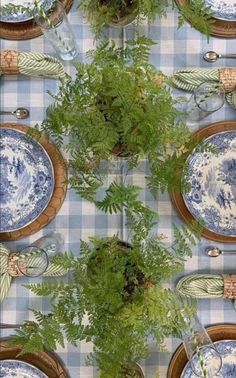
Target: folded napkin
x,y
8,269
33,64
208,286
190,78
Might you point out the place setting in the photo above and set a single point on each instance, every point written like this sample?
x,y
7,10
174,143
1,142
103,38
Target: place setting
x,y
211,198
33,181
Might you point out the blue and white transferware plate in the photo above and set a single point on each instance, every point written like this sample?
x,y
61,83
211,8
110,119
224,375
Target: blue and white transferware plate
x,y
223,9
22,15
211,176
27,179
227,351
19,369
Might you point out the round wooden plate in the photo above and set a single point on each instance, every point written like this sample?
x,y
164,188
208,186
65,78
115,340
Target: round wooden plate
x,y
47,362
220,28
59,192
25,30
177,198
216,332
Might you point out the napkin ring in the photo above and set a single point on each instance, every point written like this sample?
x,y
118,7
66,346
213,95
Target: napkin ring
x,y
16,268
229,286
228,78
9,62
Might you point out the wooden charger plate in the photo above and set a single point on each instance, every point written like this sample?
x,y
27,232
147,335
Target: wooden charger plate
x,y
59,191
177,198
47,362
25,30
220,28
216,332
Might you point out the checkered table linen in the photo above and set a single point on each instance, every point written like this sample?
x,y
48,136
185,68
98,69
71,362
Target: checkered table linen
x,y
78,219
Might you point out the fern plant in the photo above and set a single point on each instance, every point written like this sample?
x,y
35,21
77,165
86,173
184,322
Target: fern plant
x,y
199,14
121,12
119,288
117,105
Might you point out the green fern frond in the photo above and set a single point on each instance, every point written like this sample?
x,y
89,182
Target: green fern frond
x,y
199,14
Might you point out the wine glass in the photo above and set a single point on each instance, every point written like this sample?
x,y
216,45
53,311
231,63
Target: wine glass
x,y
205,360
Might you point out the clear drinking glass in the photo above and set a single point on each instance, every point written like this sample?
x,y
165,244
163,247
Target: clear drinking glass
x,y
205,360
34,259
51,243
206,99
57,30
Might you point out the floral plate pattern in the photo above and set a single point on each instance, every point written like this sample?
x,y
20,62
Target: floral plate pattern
x,y
224,10
23,15
27,179
19,369
227,350
211,176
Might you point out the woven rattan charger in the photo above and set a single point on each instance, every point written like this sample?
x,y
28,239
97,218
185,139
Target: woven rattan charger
x,y
59,191
44,361
177,198
220,28
25,30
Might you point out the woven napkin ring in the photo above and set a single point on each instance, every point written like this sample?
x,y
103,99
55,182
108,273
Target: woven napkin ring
x,y
9,62
228,78
13,264
229,286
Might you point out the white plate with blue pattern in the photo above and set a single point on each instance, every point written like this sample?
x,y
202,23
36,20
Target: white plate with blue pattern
x,y
22,15
27,179
223,9
19,369
211,176
227,350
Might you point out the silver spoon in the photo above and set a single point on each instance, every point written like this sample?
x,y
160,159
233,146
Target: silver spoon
x,y
212,56
213,251
18,113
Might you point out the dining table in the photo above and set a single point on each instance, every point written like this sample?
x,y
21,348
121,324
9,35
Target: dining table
x,y
175,48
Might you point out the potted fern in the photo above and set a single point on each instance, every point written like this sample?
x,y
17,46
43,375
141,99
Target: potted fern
x,y
122,12
119,287
119,12
118,105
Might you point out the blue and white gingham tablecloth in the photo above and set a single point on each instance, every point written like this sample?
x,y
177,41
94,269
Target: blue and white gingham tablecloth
x,y
77,218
